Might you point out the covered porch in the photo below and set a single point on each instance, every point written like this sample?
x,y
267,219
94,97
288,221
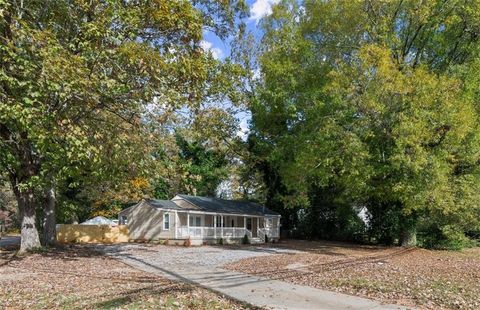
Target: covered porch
x,y
198,225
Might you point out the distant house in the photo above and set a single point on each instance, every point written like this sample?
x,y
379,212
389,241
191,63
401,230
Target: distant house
x,y
201,219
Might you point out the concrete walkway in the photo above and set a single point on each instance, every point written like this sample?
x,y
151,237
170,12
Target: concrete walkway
x,y
202,266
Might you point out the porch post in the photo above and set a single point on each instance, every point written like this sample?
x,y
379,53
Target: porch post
x,y
221,225
214,226
258,224
176,224
244,222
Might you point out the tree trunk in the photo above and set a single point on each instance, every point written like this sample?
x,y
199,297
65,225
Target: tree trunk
x,y
49,220
29,233
408,233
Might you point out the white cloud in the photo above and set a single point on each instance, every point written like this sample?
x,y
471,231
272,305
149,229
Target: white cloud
x,y
256,73
244,130
208,47
261,8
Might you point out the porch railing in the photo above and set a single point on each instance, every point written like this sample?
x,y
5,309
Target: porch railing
x,y
212,232
270,232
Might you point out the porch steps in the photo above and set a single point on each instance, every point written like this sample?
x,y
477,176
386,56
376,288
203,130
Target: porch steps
x,y
256,240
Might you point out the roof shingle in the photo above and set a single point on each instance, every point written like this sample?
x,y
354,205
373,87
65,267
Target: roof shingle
x,y
162,204
216,205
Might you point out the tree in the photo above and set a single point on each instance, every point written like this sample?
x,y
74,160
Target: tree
x,y
79,79
373,98
8,210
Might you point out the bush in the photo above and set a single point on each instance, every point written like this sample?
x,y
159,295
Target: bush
x,y
220,241
454,239
266,238
245,240
447,237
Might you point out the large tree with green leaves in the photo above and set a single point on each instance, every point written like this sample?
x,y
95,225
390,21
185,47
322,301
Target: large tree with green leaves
x,y
80,81
378,99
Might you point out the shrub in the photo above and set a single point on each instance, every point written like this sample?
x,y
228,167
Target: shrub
x,y
447,237
220,241
454,239
188,242
266,238
245,240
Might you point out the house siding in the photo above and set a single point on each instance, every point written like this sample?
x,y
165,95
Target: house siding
x,y
146,223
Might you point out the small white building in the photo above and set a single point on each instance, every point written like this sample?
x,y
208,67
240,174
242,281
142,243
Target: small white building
x,y
201,219
99,220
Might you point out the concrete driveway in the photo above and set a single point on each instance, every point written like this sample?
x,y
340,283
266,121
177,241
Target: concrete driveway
x,y
203,266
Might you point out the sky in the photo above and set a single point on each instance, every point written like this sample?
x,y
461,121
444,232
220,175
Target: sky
x,y
258,9
220,49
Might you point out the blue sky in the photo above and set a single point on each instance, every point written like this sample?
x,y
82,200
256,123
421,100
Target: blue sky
x,y
258,9
221,49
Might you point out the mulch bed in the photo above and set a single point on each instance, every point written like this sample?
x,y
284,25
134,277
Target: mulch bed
x,y
412,277
77,278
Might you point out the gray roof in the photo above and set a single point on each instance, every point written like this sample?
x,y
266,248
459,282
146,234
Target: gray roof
x,y
162,204
99,220
215,205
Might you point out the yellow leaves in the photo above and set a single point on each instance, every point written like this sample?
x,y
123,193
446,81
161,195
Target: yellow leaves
x,y
129,191
376,56
108,213
140,183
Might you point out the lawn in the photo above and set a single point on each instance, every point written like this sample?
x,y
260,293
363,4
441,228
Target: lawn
x,y
78,278
412,277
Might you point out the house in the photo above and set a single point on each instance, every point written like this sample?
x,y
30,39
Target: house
x,y
200,219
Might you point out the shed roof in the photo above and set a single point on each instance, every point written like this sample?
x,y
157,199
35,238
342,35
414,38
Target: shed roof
x,y
99,220
216,205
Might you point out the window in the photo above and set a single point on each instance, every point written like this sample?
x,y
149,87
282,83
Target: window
x,y
195,220
249,223
269,223
123,220
166,221
219,221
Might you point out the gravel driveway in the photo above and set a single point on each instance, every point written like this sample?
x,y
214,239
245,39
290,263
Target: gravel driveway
x,y
200,257
203,266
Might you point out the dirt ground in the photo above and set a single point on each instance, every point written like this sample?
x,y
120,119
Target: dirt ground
x,y
78,278
412,277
